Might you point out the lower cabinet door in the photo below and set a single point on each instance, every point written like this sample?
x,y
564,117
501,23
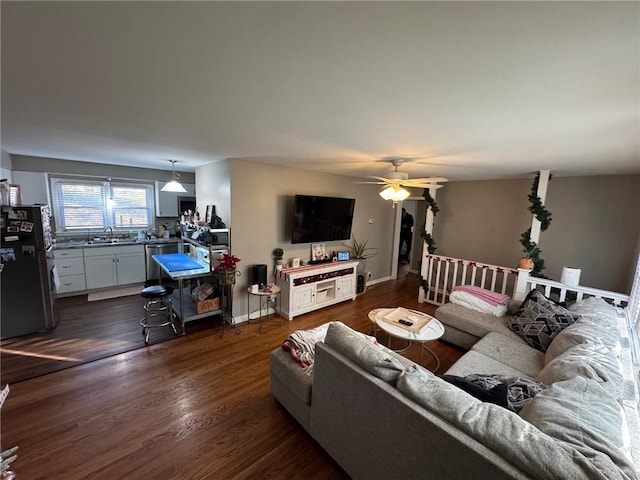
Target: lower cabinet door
x,y
346,287
302,297
131,268
100,271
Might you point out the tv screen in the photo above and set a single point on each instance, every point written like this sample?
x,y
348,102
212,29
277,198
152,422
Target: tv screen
x,y
321,219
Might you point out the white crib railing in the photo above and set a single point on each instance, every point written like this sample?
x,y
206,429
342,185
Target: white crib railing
x,y
444,273
526,283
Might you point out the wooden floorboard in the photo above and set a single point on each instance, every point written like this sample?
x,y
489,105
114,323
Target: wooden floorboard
x,y
193,407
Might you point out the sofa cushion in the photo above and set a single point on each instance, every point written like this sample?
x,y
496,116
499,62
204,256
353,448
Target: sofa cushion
x,y
473,362
537,454
598,325
539,320
288,371
593,361
364,351
475,323
580,413
515,353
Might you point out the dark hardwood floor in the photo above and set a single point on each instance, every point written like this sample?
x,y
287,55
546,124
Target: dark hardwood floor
x,y
86,331
194,407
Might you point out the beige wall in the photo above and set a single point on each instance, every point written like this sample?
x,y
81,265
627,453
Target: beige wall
x,y
261,208
595,225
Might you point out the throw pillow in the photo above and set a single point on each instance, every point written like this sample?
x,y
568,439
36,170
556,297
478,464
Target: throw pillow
x,y
517,390
497,394
539,320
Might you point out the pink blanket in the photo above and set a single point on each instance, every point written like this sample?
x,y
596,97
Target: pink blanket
x,y
492,298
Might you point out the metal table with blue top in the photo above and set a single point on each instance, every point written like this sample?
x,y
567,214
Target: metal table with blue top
x,y
181,267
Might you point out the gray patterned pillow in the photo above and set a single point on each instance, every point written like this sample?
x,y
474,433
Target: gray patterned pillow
x,y
519,389
539,320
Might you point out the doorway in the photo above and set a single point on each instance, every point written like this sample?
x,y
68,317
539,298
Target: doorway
x,y
414,206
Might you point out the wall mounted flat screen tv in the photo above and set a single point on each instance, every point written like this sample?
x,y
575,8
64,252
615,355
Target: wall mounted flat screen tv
x,y
321,219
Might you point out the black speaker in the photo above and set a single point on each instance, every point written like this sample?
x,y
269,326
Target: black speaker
x,y
259,274
362,283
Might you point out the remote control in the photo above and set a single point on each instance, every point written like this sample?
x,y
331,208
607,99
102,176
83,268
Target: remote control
x,y
405,322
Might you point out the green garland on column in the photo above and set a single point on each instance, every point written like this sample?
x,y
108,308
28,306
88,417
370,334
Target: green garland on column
x,y
530,248
431,243
431,203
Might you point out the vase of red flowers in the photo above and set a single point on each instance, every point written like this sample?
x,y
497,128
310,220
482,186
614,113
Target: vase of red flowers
x,y
226,269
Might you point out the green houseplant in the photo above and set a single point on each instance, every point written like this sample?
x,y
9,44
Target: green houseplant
x,y
277,257
360,251
528,255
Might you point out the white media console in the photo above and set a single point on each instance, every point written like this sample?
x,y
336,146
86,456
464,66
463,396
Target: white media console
x,y
309,288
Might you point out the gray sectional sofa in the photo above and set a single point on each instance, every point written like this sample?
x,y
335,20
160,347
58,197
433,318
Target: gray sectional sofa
x,y
381,417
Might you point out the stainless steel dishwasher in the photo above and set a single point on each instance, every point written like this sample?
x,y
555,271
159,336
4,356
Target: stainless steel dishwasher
x,y
153,269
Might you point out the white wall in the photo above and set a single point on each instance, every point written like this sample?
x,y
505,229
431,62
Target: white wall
x,y
213,187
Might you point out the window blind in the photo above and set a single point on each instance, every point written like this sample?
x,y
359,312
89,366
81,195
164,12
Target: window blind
x,y
82,203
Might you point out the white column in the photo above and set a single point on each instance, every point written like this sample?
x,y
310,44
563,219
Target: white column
x,y
542,193
428,226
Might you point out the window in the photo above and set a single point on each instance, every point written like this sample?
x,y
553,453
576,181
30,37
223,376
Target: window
x,y
633,313
83,204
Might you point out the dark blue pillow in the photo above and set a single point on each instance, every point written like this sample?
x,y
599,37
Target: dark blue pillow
x,y
496,395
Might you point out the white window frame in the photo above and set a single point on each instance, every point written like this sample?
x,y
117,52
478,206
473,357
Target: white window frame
x,y
104,205
632,312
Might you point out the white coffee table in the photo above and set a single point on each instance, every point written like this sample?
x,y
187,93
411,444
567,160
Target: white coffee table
x,y
431,331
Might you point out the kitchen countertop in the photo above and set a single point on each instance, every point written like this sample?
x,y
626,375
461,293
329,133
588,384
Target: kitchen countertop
x,y
111,243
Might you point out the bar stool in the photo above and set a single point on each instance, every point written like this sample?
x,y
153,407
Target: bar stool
x,y
158,305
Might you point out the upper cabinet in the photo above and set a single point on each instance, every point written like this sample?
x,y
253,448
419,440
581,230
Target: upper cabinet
x,y
33,187
167,202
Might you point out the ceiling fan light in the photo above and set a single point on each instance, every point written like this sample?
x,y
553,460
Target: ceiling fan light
x,y
395,193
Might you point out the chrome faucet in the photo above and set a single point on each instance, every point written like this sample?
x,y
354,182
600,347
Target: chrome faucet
x,y
110,232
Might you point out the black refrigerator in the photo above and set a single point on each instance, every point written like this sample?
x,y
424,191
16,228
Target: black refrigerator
x,y
27,274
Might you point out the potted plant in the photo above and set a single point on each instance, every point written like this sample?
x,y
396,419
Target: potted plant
x,y
360,252
528,253
226,268
277,258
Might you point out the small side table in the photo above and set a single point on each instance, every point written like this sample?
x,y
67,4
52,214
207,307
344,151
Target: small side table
x,y
431,331
264,297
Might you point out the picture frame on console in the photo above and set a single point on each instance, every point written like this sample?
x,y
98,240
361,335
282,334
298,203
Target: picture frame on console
x,y
318,252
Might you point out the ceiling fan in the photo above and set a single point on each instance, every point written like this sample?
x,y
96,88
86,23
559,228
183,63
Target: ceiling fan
x,y
395,181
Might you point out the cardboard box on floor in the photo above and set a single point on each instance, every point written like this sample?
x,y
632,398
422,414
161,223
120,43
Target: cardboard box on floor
x,y
208,305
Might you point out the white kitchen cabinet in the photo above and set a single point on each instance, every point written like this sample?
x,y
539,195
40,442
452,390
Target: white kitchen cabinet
x,y
109,266
33,187
167,202
130,268
69,264
307,289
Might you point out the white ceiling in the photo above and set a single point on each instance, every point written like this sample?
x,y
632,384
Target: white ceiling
x,y
468,90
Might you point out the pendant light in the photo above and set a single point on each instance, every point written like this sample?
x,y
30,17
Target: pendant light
x,y
110,201
173,185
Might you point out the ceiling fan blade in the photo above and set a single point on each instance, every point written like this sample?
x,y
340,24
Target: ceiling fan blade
x,y
371,183
423,185
382,179
429,179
